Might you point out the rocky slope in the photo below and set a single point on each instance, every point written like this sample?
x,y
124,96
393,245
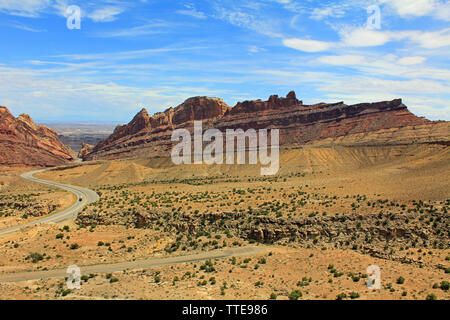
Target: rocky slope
x,y
23,143
85,149
370,233
299,124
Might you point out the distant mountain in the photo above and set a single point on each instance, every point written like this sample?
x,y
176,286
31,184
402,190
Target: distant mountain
x,y
23,143
75,134
299,124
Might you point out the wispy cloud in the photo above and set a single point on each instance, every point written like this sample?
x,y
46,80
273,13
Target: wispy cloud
x,y
248,14
24,8
364,37
125,55
106,14
321,13
21,26
151,28
101,11
307,45
191,11
164,52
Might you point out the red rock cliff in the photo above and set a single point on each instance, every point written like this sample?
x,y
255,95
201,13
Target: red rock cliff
x,y
147,136
23,143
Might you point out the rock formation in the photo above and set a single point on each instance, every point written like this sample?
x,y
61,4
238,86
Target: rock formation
x,y
23,143
85,149
299,124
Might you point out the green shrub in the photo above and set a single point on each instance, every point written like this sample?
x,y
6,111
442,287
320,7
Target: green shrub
x,y
112,280
431,297
354,295
35,257
341,296
295,295
66,292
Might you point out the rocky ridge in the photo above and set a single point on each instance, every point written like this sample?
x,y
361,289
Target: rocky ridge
x,y
23,143
299,124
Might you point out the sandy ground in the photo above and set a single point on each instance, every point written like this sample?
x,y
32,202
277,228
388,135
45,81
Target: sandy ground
x,y
283,270
331,181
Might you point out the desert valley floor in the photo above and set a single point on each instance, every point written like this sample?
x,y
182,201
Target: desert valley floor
x,y
328,214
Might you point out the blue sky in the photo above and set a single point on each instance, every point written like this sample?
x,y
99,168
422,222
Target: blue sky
x,y
156,53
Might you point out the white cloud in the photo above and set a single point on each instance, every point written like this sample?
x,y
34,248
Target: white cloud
x,y
442,11
363,37
416,8
35,8
428,40
255,49
192,12
154,27
439,9
105,14
25,8
408,61
342,60
408,67
126,55
306,45
24,27
322,13
20,87
399,87
249,17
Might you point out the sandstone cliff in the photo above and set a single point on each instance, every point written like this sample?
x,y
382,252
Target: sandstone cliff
x,y
299,124
23,143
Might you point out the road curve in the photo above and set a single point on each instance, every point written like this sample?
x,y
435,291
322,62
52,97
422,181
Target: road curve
x,y
136,265
87,196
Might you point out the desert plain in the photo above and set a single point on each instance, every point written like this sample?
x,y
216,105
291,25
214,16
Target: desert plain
x,y
329,214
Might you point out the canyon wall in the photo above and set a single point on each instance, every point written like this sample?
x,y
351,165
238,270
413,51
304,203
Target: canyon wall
x,y
299,124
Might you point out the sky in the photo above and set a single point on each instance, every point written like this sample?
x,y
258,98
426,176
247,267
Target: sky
x,y
127,55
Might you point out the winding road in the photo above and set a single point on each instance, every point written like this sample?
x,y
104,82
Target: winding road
x,y
136,265
87,196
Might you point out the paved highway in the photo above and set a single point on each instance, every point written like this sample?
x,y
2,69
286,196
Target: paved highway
x,y
136,265
87,196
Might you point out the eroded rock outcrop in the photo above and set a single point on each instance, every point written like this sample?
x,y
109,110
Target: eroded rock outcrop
x,y
149,135
85,150
299,124
23,143
369,233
